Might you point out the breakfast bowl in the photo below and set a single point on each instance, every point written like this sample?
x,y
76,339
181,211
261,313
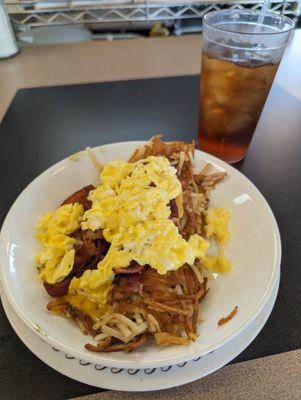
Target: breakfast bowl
x,y
254,251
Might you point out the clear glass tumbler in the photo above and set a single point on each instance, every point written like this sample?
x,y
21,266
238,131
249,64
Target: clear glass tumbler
x,y
240,57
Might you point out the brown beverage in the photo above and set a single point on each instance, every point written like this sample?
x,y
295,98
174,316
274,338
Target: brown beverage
x,y
241,52
232,98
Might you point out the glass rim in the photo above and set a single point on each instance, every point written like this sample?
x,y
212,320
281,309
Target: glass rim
x,y
271,14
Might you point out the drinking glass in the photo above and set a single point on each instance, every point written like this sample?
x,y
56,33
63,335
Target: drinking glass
x,y
241,53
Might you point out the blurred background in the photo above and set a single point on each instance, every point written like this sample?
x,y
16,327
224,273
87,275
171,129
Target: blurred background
x,y
65,21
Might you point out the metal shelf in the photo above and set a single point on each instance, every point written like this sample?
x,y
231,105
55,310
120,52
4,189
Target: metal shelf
x,y
64,12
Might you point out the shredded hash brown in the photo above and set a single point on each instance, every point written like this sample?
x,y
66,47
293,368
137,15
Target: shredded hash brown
x,y
145,303
223,320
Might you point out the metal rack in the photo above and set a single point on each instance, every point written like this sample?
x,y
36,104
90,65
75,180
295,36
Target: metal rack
x,y
33,13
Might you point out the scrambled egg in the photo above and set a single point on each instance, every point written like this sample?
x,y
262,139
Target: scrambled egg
x,y
131,193
56,260
217,220
216,227
132,207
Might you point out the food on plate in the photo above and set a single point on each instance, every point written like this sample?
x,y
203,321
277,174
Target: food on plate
x,y
129,259
223,320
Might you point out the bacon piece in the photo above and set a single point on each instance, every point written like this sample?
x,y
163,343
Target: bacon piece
x,y
91,239
174,209
89,254
90,250
82,256
58,289
128,280
81,197
131,283
92,235
132,269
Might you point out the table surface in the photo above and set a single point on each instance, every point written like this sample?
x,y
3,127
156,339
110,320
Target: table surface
x,y
35,122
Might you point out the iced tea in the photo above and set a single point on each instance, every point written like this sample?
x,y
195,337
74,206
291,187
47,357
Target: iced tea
x,y
232,97
241,53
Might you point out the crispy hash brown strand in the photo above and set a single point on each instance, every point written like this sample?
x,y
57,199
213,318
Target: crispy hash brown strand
x,y
223,320
164,338
63,308
155,147
144,302
166,306
106,346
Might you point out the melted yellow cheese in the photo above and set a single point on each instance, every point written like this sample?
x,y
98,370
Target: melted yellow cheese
x,y
92,285
91,308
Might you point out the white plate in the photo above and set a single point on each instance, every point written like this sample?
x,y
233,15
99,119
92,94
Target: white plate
x,y
254,251
140,380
